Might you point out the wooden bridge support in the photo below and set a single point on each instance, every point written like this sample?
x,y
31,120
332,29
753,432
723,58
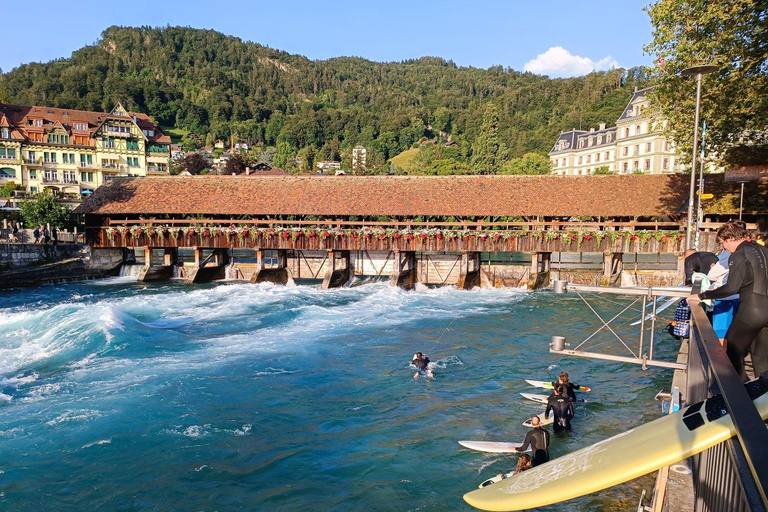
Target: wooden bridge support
x,y
540,270
339,271
613,265
159,272
205,273
405,275
469,271
277,274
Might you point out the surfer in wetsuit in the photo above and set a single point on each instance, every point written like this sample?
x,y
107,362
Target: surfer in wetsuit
x,y
562,407
569,388
421,362
697,262
748,275
538,439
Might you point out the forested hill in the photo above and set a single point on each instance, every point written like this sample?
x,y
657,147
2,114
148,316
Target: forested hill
x,y
206,82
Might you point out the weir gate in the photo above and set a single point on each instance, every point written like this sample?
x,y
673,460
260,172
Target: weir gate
x,y
466,255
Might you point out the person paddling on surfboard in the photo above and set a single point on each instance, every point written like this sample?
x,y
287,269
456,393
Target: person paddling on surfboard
x,y
421,362
562,407
538,439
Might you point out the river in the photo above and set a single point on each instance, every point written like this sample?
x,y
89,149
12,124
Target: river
x,y
121,396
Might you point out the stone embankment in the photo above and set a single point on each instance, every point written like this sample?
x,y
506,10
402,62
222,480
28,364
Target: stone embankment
x,y
34,264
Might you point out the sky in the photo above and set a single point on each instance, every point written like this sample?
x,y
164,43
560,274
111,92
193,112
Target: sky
x,y
550,37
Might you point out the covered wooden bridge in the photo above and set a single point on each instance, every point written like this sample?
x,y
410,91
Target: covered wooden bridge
x,y
336,227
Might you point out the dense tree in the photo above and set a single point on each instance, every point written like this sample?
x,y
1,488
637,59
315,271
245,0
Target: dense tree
x,y
729,34
195,163
45,210
529,163
490,152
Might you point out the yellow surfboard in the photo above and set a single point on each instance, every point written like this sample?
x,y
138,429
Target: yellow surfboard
x,y
619,459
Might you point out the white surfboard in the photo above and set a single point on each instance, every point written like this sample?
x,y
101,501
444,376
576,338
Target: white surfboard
x,y
544,421
542,399
491,446
619,459
548,385
661,308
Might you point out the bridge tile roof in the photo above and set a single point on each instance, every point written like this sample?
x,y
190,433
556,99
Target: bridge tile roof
x,y
461,196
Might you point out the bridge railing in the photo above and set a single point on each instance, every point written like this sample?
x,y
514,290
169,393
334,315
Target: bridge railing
x,y
731,476
310,235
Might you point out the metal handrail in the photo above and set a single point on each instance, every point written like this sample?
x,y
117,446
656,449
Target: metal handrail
x,y
751,431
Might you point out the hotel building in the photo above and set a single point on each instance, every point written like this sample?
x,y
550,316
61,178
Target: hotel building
x,y
635,145
71,152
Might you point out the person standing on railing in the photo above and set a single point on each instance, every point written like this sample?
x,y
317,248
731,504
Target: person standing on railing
x,y
748,276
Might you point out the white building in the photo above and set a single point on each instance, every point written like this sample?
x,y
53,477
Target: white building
x,y
635,145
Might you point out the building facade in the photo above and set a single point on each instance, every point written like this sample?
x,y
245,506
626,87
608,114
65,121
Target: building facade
x,y
71,152
635,145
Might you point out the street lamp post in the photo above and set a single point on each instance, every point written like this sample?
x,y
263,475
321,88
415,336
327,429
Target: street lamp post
x,y
698,72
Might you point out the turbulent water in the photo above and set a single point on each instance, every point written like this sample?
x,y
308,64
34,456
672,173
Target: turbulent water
x,y
119,396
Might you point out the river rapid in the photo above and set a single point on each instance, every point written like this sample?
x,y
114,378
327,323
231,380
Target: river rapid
x,y
121,396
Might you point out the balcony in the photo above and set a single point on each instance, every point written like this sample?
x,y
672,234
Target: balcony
x,y
88,165
32,161
107,167
51,179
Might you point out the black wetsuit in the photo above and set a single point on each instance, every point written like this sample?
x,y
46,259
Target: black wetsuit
x,y
563,409
420,364
698,262
748,275
538,440
569,390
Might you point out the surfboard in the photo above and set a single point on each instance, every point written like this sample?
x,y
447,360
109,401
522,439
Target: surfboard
x,y
491,446
544,421
548,385
619,459
542,399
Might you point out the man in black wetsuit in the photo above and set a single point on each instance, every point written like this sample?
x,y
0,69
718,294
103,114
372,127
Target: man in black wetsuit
x,y
697,262
562,407
748,275
538,439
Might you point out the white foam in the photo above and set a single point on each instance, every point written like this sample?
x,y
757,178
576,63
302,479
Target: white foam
x,y
96,443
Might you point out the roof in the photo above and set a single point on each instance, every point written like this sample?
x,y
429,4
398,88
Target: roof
x,y
638,95
568,141
18,115
462,196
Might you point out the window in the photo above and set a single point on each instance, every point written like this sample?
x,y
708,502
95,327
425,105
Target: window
x,y
108,143
607,155
132,144
581,144
589,159
38,122
608,137
666,145
581,158
149,133
33,190
5,133
8,153
49,158
81,140
636,165
637,130
597,157
591,141
51,175
626,150
70,177
133,161
31,156
637,150
647,164
626,132
626,167
599,139
81,126
665,164
676,162
33,174
648,147
563,164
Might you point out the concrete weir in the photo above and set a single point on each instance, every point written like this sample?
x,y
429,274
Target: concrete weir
x,y
405,275
339,271
159,272
277,274
204,271
469,271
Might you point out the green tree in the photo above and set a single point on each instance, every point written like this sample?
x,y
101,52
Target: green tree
x,y
441,120
530,164
195,163
308,156
729,34
490,152
603,170
7,189
284,156
45,210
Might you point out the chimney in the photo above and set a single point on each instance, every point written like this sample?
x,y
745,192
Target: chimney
x,y
602,126
247,171
591,130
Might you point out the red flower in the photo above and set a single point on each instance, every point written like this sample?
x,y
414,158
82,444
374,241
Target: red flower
x,y
423,236
285,234
206,234
312,234
439,236
409,236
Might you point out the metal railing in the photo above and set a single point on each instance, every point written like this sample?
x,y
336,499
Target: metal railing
x,y
731,476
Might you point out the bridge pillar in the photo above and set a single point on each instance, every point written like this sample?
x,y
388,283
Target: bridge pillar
x,y
469,271
613,265
109,259
278,275
340,270
204,273
540,268
405,274
156,272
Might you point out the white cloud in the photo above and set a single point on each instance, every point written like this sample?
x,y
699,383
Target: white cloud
x,y
559,62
